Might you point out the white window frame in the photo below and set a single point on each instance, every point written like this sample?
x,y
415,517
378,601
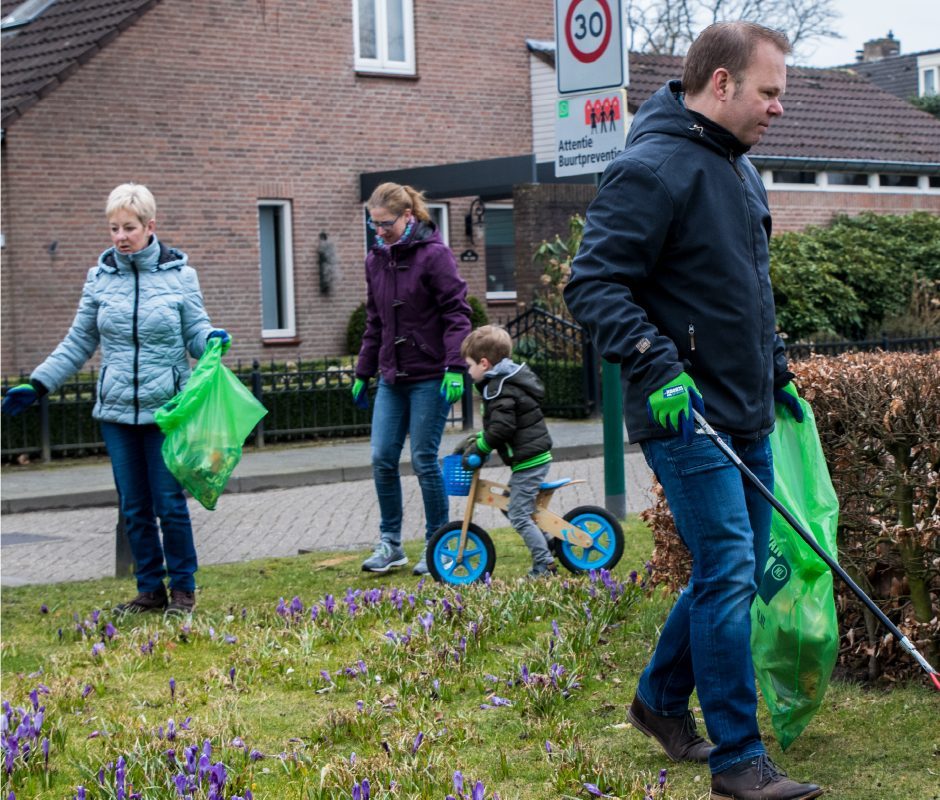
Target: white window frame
x,y
874,185
496,296
382,63
289,331
444,227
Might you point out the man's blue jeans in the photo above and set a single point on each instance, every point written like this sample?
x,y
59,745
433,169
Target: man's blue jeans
x,y
706,641
147,490
416,410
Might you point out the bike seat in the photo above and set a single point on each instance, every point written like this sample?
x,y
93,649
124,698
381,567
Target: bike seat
x,y
554,484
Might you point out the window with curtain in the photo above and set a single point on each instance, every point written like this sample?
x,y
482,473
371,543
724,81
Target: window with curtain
x,y
384,36
277,269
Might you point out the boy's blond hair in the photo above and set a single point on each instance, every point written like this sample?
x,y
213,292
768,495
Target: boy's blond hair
x,y
487,341
134,197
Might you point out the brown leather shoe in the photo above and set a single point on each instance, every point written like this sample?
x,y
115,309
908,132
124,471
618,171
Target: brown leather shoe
x,y
677,735
759,779
181,602
144,602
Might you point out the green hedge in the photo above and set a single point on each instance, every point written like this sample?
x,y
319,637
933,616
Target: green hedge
x,y
849,278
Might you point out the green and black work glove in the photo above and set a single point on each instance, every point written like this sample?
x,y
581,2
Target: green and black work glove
x,y
671,406
452,386
475,452
788,397
360,393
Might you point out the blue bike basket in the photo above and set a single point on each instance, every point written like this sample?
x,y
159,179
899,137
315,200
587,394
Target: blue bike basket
x,y
456,478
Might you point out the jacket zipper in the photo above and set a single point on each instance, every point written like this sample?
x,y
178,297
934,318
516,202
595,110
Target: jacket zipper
x,y
692,337
136,344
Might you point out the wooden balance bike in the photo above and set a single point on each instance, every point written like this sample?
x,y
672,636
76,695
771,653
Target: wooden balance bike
x,y
461,552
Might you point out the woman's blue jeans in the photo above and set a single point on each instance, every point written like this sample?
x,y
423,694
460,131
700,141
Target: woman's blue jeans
x,y
416,410
706,641
147,490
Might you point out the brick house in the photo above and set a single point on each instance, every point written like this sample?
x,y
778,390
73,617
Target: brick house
x,y
262,127
253,122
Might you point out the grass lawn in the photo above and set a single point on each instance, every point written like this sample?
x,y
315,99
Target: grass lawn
x,y
306,678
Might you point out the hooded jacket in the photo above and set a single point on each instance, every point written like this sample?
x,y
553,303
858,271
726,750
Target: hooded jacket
x,y
417,314
146,311
673,271
513,423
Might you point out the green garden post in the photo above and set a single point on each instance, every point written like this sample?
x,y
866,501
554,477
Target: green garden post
x,y
615,495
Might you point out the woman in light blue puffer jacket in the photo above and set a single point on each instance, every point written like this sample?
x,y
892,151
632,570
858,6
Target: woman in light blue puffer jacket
x,y
143,306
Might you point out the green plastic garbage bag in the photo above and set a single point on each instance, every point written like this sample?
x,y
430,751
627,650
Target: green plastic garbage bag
x,y
205,426
794,630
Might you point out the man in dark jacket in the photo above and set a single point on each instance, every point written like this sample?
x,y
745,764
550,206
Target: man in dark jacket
x,y
513,426
672,281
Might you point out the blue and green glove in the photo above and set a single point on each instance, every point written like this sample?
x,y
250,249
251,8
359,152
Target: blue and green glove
x,y
359,394
788,397
19,398
221,333
671,406
475,452
452,386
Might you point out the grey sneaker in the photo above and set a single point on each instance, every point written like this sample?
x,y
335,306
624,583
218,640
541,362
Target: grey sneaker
x,y
421,568
543,571
384,557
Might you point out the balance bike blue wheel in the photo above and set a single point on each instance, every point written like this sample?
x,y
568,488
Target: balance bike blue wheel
x,y
606,532
479,555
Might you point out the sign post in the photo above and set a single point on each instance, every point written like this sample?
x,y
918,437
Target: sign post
x,y
589,51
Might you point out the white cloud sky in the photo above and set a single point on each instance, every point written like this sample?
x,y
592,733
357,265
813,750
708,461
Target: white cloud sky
x,y
916,23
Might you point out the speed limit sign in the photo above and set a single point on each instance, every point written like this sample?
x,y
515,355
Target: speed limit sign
x,y
589,53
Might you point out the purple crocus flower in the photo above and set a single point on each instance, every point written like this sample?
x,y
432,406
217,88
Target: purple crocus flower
x,y
329,604
281,607
662,779
458,782
80,793
417,743
479,791
181,784
314,612
231,675
109,630
593,790
548,747
45,751
255,755
96,649
43,609
296,606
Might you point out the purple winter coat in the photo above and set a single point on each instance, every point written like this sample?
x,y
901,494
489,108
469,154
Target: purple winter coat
x,y
416,311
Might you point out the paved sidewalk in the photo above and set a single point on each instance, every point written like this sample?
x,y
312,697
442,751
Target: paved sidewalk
x,y
58,522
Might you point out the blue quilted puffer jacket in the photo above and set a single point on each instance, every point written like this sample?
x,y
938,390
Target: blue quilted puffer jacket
x,y
146,311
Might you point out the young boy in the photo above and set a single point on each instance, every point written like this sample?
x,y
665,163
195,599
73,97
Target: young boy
x,y
513,426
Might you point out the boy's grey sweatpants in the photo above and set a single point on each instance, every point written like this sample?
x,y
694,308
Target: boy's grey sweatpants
x,y
523,488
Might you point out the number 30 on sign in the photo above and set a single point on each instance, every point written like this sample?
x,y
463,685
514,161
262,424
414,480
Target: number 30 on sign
x,y
589,45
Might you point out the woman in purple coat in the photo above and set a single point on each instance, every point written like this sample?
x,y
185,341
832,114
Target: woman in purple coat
x,y
416,318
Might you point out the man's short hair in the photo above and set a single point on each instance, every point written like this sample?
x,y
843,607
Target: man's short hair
x,y
729,45
134,197
487,341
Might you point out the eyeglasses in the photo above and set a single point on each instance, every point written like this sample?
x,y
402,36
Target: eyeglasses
x,y
383,224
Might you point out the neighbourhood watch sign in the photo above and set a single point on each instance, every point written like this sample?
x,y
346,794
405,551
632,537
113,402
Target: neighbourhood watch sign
x,y
589,131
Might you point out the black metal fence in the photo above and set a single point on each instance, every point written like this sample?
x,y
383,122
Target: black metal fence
x,y
310,400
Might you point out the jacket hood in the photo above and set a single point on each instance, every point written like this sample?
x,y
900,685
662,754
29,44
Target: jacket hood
x,y
665,113
507,371
155,256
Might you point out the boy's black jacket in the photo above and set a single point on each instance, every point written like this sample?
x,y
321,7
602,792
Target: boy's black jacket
x,y
513,423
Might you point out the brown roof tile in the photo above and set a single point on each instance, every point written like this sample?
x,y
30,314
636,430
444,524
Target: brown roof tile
x,y
829,115
40,55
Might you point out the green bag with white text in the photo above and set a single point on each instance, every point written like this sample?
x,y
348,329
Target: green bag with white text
x,y
794,629
205,426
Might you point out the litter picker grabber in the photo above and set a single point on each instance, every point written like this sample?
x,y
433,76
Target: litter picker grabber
x,y
710,432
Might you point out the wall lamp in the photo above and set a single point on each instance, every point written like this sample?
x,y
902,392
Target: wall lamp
x,y
475,218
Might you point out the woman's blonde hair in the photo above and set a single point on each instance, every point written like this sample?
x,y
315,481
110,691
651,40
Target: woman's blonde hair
x,y
134,197
396,198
